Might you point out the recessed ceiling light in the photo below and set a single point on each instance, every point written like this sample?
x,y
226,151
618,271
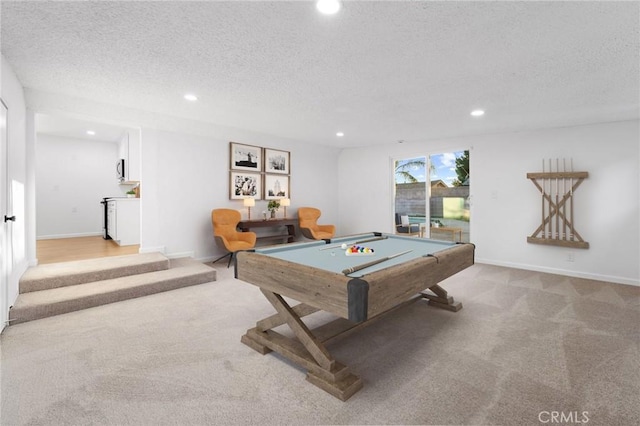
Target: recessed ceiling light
x,y
328,7
477,112
91,132
340,134
191,97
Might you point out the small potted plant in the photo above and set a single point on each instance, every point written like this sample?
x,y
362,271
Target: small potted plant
x,y
131,193
273,207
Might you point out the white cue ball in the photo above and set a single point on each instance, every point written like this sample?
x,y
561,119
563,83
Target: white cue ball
x,y
344,246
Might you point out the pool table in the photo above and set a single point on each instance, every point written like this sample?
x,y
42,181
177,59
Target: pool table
x,y
354,288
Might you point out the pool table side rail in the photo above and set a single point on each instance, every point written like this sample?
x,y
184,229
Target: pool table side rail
x,y
353,299
328,291
392,286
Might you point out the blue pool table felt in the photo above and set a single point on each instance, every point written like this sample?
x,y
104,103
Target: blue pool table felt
x,y
317,254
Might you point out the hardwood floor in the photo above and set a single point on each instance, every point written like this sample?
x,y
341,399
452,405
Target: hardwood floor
x,y
68,249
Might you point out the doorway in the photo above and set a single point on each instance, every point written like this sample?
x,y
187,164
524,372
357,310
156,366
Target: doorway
x,y
410,195
76,168
440,209
449,212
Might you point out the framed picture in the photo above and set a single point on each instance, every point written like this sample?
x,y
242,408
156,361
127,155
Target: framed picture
x,y
276,187
245,157
277,161
243,184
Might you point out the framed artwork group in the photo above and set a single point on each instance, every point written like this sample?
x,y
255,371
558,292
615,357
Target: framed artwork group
x,y
261,173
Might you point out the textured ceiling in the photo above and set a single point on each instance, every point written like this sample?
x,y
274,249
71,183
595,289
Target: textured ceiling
x,y
378,71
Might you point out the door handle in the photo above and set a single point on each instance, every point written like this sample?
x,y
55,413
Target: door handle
x,y
9,218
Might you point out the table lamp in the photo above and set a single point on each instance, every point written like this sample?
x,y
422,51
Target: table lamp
x,y
248,203
285,202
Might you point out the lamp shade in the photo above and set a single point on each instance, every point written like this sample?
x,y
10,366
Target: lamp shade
x,y
285,202
249,202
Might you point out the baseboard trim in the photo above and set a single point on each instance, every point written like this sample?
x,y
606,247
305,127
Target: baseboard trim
x,y
569,273
208,259
180,255
159,249
61,236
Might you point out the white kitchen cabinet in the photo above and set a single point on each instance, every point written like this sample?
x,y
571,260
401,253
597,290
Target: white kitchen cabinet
x,y
133,174
123,220
129,150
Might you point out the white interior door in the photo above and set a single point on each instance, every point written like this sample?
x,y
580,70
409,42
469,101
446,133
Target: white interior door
x,y
4,225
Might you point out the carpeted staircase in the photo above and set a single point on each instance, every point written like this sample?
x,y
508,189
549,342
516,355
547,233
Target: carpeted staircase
x,y
59,288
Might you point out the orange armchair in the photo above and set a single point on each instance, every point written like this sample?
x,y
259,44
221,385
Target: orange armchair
x,y
225,222
308,222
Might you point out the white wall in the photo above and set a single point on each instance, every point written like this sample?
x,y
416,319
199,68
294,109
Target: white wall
x,y
505,204
72,177
30,148
185,176
185,172
13,96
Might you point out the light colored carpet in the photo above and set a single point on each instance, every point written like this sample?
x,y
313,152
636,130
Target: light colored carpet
x,y
137,281
55,275
524,344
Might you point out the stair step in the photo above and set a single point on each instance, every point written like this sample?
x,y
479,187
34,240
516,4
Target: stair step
x,y
45,303
55,275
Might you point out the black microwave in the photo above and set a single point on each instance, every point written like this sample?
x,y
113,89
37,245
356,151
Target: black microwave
x,y
120,169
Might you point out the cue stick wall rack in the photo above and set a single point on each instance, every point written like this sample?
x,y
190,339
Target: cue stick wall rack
x,y
557,191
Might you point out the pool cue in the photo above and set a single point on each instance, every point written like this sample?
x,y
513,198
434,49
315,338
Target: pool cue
x,y
571,201
374,262
564,203
550,201
557,201
544,190
355,242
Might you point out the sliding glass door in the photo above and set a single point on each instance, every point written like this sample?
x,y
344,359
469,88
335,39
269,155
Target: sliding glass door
x,y
449,213
410,195
439,209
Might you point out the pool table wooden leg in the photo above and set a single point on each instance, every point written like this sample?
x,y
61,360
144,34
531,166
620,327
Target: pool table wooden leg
x,y
307,350
441,299
273,321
